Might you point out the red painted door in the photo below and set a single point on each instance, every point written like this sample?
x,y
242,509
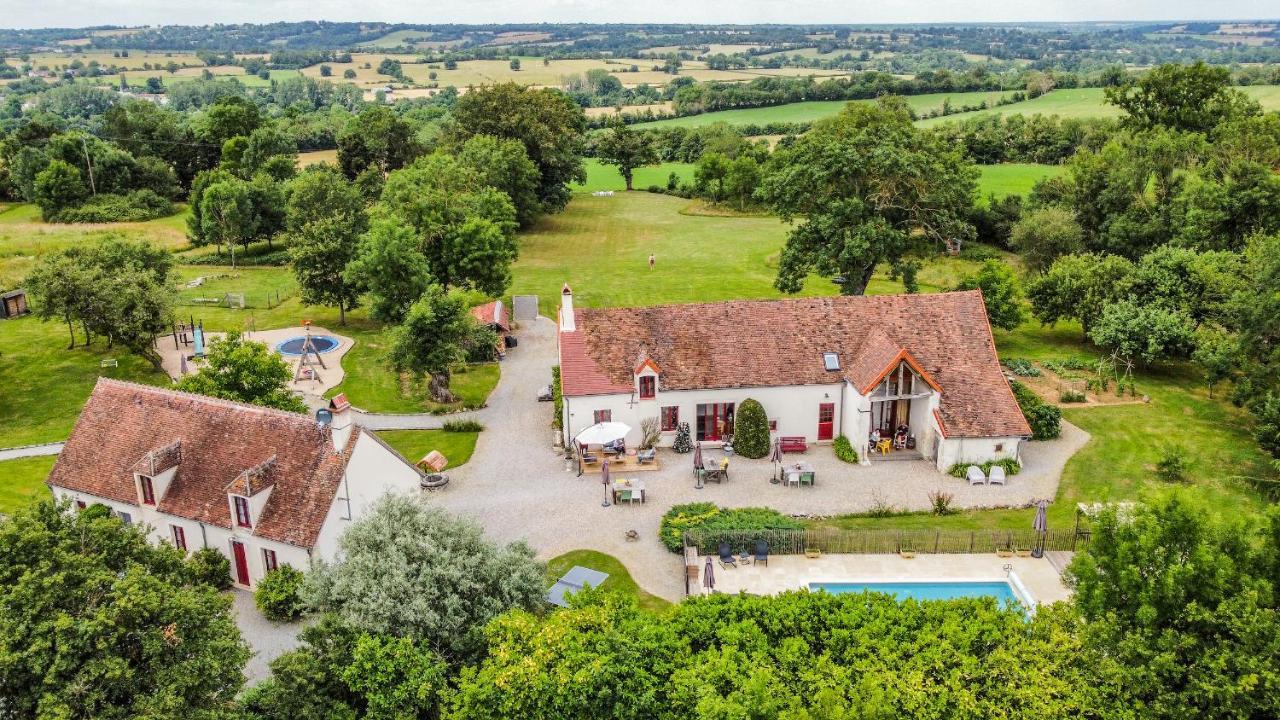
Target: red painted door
x,y
242,566
826,421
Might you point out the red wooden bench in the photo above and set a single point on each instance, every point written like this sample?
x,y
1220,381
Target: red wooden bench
x,y
793,444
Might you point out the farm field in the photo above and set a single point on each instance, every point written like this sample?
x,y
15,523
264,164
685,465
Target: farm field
x,y
1088,103
136,60
808,111
661,107
606,177
318,157
1013,178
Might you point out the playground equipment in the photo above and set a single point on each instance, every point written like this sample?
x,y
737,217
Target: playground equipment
x,y
308,357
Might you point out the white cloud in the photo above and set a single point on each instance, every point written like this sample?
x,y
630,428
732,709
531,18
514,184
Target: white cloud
x,y
79,13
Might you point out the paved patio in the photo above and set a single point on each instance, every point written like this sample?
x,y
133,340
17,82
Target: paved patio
x,y
327,377
518,487
791,572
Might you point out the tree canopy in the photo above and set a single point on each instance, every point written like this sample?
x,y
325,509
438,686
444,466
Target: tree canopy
x,y
245,371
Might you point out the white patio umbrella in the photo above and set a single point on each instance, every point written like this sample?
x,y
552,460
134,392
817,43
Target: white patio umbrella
x,y
603,433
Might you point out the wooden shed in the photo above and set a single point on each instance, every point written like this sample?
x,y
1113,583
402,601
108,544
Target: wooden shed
x,y
13,303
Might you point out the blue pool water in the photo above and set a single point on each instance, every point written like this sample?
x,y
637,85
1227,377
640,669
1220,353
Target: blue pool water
x,y
293,346
999,590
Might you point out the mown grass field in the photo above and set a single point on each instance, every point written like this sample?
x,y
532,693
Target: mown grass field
x,y
619,580
1000,180
810,111
22,480
415,444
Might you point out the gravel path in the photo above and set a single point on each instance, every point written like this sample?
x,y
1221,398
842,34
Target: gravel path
x,y
266,639
31,451
518,486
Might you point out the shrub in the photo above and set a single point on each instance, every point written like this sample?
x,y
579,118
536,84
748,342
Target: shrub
x,y
843,449
940,502
1071,396
751,430
1045,420
136,206
650,433
1172,465
460,426
1267,431
1021,367
1071,363
210,567
277,595
683,443
708,518
557,398
1011,467
481,343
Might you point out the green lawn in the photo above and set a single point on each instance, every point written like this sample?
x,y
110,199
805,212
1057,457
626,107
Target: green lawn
x,y
619,579
1013,178
23,479
811,110
606,177
415,444
1088,103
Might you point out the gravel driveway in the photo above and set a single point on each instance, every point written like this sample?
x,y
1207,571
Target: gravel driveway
x,y
517,486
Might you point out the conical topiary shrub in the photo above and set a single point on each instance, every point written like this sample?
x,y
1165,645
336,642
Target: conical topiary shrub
x,y
683,443
751,430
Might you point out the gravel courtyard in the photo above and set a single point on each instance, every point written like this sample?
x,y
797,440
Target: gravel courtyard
x,y
518,486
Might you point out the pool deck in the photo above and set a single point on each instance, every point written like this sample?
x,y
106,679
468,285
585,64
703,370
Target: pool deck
x,y
792,572
327,377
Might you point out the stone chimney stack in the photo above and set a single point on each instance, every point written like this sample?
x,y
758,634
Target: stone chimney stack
x,y
567,320
342,424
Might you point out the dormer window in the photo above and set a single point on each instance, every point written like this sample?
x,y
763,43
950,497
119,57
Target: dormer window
x,y
648,387
148,490
242,511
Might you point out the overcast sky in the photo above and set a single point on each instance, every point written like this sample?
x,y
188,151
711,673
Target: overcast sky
x,y
80,13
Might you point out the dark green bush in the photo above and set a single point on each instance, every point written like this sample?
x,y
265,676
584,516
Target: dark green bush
x,y
210,567
1172,465
557,398
708,517
1045,420
843,449
277,595
751,430
462,426
105,208
1011,467
481,343
1021,367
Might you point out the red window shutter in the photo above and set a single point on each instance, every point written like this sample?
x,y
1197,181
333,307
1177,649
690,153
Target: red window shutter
x,y
242,512
603,416
148,492
648,387
670,417
179,537
80,505
269,559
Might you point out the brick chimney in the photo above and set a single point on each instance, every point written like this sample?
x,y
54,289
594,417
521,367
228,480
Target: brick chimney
x,y
567,321
342,424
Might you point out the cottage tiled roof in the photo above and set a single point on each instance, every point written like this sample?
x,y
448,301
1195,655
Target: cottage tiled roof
x,y
223,444
743,344
492,313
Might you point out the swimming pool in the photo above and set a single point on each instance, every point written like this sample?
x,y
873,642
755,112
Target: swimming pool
x,y
322,344
942,590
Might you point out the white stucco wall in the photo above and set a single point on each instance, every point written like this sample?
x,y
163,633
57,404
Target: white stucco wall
x,y
975,450
372,472
795,408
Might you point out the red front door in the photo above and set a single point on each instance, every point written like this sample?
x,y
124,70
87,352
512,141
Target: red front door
x,y
242,566
826,420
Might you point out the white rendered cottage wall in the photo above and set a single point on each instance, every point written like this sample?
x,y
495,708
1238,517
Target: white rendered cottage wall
x,y
372,472
795,408
952,451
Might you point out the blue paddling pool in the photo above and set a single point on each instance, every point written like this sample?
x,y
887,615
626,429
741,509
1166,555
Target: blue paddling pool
x,y
293,346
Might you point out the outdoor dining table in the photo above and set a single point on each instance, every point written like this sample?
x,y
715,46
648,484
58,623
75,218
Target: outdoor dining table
x,y
794,470
617,487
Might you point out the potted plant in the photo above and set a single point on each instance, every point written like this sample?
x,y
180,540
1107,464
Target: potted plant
x,y
812,553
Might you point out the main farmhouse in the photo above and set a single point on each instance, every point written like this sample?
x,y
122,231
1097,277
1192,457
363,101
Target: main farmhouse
x,y
821,367
264,487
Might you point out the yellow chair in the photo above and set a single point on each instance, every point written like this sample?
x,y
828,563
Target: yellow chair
x,y
885,445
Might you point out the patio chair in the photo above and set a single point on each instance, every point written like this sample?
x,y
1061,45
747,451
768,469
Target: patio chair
x,y
762,552
975,475
806,478
997,475
645,456
726,556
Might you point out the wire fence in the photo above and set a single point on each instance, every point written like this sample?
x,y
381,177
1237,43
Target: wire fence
x,y
886,541
258,300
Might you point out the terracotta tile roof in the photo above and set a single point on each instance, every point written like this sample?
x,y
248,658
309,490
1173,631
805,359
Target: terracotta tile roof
x,y
492,313
780,342
222,444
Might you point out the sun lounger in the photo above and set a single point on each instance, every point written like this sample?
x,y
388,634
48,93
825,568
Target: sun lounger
x,y
644,456
997,475
974,473
762,552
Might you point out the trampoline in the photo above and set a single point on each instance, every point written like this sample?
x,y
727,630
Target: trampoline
x,y
293,346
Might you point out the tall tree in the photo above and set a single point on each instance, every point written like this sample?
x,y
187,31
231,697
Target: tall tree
x,y
1000,293
432,339
227,215
504,164
466,229
625,149
1045,235
320,253
859,186
1079,287
245,371
391,267
549,124
377,139
320,191
1190,98
97,622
